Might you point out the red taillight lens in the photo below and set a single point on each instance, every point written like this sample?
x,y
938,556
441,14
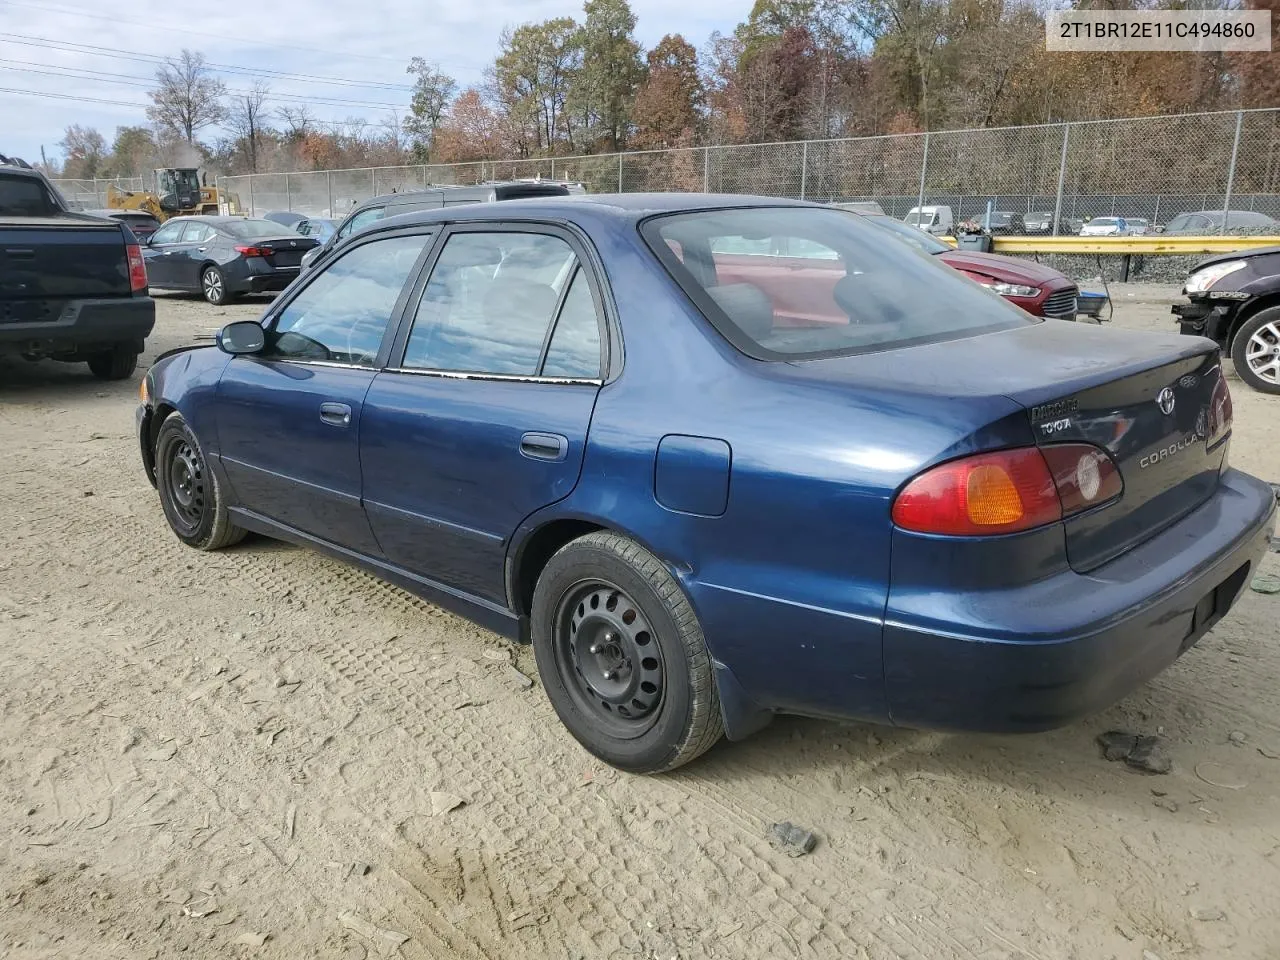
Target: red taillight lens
x,y
1220,411
991,493
1007,491
137,268
251,251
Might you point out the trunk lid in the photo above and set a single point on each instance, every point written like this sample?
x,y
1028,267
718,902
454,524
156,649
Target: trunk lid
x,y
285,251
61,257
1085,384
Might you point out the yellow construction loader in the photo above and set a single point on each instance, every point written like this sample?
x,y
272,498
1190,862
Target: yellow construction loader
x,y
178,192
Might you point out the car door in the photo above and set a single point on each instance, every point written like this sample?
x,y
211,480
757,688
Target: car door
x,y
188,253
158,253
481,416
289,418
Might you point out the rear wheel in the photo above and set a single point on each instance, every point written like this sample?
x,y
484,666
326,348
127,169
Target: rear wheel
x,y
1256,351
189,493
622,655
118,363
214,286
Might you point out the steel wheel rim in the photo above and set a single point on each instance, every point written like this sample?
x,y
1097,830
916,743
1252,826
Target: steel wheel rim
x,y
186,488
212,285
1262,353
609,658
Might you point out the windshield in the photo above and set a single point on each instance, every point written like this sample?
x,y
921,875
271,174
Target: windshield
x,y
789,283
253,229
1104,222
904,231
922,219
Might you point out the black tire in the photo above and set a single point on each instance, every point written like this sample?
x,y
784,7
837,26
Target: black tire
x,y
1255,351
189,493
642,720
213,285
118,363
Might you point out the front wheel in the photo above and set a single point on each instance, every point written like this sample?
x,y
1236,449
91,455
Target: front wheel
x,y
622,656
214,286
1255,351
189,493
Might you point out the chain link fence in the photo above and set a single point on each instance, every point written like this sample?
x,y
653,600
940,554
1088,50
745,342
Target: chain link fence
x,y
92,194
1151,168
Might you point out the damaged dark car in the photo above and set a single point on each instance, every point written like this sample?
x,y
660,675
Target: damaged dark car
x,y
1234,300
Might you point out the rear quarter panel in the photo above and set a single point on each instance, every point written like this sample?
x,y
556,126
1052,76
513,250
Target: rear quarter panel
x,y
790,581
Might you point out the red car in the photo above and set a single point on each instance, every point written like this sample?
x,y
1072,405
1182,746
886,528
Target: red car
x,y
1037,289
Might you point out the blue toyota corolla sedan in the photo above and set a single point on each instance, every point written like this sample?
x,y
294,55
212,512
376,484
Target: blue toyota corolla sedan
x,y
724,457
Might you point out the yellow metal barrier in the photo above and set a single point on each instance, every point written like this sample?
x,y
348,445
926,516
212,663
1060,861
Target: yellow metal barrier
x,y
1150,244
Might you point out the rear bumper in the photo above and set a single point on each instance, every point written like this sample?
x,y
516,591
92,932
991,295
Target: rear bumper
x,y
82,325
1041,655
261,276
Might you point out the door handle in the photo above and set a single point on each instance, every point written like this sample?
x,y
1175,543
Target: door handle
x,y
201,249
544,446
335,414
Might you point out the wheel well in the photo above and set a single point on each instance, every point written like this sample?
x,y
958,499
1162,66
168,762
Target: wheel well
x,y
160,415
537,550
1262,303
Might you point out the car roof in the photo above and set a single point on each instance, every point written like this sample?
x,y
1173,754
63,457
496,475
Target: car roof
x,y
621,207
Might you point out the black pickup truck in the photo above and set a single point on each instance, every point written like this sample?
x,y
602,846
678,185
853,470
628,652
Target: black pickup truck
x,y
72,287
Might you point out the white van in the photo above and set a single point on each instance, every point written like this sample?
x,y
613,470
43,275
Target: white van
x,y
935,220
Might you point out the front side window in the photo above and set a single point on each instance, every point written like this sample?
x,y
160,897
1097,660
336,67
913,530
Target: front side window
x,y
169,233
489,304
855,294
361,219
341,316
197,233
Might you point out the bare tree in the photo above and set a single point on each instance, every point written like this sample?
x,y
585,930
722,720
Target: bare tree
x,y
247,112
189,97
297,121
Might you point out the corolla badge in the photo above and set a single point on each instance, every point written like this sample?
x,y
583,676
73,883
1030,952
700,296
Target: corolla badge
x,y
1165,400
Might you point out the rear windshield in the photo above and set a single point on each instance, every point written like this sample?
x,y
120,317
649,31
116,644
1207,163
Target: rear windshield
x,y
25,197
789,283
252,229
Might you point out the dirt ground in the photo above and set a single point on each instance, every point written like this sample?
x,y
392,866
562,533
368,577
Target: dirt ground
x,y
261,753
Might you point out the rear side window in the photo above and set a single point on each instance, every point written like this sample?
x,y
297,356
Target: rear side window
x,y
490,303
787,283
25,197
575,342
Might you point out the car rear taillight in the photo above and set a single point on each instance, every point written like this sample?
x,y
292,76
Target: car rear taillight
x,y
1220,411
1007,491
1084,475
251,251
137,268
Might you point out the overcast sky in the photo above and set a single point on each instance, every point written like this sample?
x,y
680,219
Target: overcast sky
x,y
369,41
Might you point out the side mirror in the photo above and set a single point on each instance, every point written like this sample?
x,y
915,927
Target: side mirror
x,y
242,337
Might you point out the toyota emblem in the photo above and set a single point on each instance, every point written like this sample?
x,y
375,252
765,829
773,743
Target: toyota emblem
x,y
1165,400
